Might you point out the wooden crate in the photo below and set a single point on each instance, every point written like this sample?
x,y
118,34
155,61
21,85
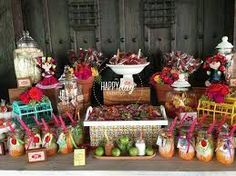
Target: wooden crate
x,y
15,93
139,95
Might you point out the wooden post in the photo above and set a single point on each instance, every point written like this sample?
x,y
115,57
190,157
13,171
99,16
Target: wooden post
x,y
17,18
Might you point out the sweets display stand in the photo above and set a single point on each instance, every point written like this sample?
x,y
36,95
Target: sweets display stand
x,y
216,110
115,129
125,157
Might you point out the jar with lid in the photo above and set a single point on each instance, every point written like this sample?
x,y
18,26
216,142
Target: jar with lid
x,y
65,141
33,140
25,58
186,145
181,98
166,143
49,142
225,148
204,146
70,96
15,143
225,48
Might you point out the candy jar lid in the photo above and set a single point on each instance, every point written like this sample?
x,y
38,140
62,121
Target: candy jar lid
x,y
224,44
26,41
181,84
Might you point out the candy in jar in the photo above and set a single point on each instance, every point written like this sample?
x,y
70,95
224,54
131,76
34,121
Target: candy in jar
x,y
204,146
49,142
185,146
33,140
166,144
225,149
65,142
15,143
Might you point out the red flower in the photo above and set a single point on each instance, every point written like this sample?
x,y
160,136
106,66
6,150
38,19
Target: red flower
x,y
217,92
24,97
36,94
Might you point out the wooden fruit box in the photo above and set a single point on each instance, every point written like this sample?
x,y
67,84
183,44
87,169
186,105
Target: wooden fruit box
x,y
139,95
125,157
115,129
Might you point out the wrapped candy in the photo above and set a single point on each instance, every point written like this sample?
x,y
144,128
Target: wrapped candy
x,y
186,143
204,146
127,59
49,140
205,141
225,147
65,139
15,143
76,130
33,139
166,144
183,62
166,141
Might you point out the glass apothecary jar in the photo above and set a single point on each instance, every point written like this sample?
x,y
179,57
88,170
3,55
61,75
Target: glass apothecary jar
x,y
25,58
166,144
15,143
178,101
225,148
186,145
204,146
70,95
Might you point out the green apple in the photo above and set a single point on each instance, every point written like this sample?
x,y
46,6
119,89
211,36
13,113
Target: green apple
x,y
149,151
133,151
115,152
99,151
124,140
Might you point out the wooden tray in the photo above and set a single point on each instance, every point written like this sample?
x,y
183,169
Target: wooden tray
x,y
125,157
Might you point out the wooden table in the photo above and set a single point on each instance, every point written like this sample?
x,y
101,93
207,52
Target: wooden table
x,y
103,167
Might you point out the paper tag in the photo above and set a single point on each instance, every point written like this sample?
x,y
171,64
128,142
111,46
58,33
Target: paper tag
x,y
79,157
159,141
182,144
61,140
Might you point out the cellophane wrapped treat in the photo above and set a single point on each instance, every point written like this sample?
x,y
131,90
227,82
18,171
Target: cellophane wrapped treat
x,y
15,143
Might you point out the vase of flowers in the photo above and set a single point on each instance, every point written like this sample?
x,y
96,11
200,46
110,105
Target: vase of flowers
x,y
162,81
86,65
185,64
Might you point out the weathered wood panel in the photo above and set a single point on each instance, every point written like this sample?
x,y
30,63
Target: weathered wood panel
x,y
59,29
7,45
132,24
213,24
109,26
186,26
33,21
17,18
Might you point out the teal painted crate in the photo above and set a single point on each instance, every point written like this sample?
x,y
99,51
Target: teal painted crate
x,y
38,110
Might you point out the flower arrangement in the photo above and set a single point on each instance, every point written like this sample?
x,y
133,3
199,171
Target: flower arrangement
x,y
166,76
216,92
182,62
86,63
32,96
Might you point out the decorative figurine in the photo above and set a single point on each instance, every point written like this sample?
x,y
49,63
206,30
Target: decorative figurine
x,y
48,67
